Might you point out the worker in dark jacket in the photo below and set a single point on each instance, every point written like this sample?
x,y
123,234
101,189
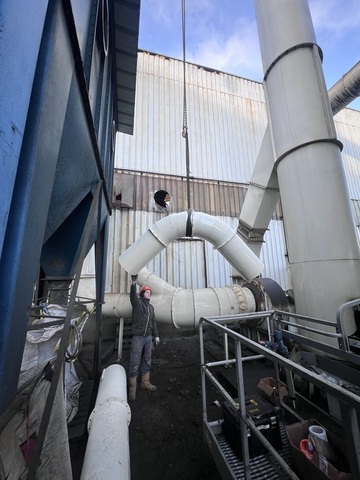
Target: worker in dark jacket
x,y
143,330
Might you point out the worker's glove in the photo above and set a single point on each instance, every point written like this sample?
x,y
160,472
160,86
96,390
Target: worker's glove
x,y
134,278
157,341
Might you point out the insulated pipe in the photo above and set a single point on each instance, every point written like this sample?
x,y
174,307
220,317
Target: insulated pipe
x,y
107,455
322,244
192,224
183,307
345,90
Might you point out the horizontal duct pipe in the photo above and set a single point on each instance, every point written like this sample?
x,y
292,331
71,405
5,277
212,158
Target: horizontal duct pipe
x,y
345,90
183,307
107,455
192,224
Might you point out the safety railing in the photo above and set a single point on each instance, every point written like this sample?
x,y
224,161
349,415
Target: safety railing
x,y
340,318
281,320
349,402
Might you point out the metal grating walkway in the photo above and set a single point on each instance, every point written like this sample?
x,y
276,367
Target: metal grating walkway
x,y
262,467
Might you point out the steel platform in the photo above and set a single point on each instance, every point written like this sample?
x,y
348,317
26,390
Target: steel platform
x,y
262,467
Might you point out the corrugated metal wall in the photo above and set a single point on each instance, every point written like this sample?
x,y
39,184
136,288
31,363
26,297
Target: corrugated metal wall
x,y
227,119
136,190
347,123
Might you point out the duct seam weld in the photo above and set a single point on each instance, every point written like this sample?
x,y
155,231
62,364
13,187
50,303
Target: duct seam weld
x,y
351,85
217,298
306,144
158,237
173,308
105,405
289,50
345,90
264,187
233,233
218,235
232,306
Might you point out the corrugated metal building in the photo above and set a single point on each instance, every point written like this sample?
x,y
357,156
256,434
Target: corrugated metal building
x,y
226,122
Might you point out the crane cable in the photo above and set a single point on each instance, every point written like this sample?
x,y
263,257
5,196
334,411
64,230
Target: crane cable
x,y
185,126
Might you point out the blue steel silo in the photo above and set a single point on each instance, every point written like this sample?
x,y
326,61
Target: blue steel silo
x,y
67,85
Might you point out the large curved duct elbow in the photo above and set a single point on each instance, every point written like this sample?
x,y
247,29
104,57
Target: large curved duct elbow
x,y
192,224
183,307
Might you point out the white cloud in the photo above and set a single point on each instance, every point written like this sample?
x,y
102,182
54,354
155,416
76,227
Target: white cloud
x,y
335,17
222,34
224,40
232,53
158,12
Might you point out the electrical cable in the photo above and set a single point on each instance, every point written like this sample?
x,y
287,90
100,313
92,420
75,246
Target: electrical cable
x,y
72,354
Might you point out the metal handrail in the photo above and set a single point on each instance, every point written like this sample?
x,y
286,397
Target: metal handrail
x,y
348,401
340,319
280,317
343,352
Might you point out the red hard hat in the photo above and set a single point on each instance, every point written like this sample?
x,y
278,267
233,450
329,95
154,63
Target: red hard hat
x,y
143,289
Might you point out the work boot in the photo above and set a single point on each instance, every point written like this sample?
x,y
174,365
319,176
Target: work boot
x,y
145,382
132,388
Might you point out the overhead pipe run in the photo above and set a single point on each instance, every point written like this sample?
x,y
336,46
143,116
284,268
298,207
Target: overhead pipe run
x,y
183,307
192,224
345,90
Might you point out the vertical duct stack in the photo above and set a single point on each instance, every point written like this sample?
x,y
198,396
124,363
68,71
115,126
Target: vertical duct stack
x,y
320,231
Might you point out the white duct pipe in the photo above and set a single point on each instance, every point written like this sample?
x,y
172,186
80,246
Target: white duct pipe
x,y
320,231
345,90
182,307
192,224
263,192
107,455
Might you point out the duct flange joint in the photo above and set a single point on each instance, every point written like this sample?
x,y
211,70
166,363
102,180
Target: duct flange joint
x,y
250,233
288,50
306,144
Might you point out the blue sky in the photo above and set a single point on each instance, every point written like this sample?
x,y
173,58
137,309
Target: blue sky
x,y
222,34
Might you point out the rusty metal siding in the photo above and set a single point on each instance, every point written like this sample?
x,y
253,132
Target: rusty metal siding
x,y
213,197
226,120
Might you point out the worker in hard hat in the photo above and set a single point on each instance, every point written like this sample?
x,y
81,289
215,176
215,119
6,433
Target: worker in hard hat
x,y
143,330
